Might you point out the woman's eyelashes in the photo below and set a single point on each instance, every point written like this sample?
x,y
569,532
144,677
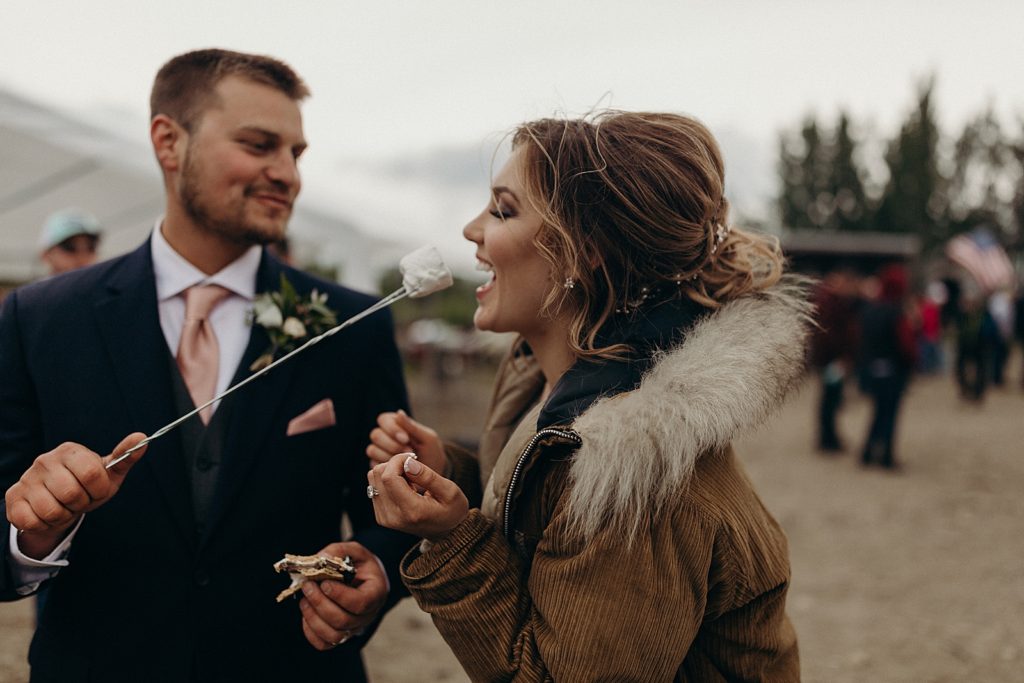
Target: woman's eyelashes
x,y
502,213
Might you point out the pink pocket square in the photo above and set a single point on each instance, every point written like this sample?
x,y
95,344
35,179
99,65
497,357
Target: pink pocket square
x,y
319,416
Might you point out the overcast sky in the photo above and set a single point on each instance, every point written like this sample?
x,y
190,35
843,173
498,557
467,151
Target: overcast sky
x,y
409,98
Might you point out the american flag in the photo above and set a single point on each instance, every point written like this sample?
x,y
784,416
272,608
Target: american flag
x,y
983,258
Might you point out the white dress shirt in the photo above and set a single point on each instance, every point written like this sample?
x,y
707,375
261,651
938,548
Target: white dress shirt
x,y
174,274
229,319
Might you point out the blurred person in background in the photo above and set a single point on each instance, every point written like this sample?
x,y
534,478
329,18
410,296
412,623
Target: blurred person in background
x,y
929,330
613,534
950,310
974,332
1000,310
834,348
887,357
69,240
1018,326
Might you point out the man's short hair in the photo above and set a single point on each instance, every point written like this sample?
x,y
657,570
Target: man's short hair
x,y
184,87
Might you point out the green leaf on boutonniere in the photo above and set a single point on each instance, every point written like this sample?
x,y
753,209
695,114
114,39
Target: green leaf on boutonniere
x,y
289,319
289,298
262,362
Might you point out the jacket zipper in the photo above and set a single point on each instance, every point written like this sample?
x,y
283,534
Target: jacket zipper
x,y
561,433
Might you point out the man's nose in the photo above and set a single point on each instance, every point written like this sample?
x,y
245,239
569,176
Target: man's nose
x,y
284,169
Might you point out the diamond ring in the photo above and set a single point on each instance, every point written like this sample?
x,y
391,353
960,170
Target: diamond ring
x,y
371,491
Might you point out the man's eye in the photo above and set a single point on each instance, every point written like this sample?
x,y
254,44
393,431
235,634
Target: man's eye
x,y
258,146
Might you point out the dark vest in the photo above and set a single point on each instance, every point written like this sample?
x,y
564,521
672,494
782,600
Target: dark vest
x,y
202,447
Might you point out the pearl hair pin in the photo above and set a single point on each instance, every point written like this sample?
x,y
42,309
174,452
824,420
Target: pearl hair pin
x,y
721,232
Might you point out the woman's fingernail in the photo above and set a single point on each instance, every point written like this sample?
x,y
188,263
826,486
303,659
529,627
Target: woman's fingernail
x,y
402,412
412,465
402,436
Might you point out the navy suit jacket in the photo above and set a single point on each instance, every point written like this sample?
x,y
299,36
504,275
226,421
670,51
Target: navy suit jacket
x,y
83,359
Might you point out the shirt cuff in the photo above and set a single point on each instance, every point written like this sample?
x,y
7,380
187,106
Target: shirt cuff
x,y
27,572
387,581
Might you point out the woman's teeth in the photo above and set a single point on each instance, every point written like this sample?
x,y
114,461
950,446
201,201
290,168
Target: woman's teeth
x,y
486,268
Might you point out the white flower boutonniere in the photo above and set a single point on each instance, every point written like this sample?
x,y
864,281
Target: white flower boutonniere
x,y
289,319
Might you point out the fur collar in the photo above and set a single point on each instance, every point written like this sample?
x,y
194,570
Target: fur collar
x,y
727,376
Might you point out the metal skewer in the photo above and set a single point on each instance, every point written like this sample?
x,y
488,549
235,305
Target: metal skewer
x,y
399,293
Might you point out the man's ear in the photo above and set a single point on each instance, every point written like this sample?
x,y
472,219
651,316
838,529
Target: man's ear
x,y
169,142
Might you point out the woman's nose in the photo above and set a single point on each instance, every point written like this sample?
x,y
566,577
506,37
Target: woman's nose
x,y
473,231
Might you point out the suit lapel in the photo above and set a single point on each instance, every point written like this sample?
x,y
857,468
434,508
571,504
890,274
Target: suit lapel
x,y
253,411
129,322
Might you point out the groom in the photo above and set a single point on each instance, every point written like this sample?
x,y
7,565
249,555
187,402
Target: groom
x,y
160,568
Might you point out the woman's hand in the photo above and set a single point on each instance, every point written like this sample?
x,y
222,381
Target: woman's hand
x,y
398,433
432,515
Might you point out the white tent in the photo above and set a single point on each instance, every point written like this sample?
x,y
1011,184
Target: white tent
x,y
51,161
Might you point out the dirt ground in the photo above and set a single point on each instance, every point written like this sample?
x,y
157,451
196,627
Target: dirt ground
x,y
914,576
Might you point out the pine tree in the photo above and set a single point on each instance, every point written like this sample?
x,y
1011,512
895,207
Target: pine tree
x,y
850,210
1016,148
804,168
793,197
914,197
979,191
816,167
821,182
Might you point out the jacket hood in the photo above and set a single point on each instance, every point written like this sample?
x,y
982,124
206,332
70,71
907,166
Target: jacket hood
x,y
731,370
588,380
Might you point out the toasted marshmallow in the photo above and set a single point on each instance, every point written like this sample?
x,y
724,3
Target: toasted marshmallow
x,y
424,272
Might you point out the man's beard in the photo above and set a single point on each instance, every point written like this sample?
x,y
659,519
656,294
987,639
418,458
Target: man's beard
x,y
232,225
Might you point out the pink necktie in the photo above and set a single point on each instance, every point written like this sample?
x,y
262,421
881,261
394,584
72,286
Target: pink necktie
x,y
198,352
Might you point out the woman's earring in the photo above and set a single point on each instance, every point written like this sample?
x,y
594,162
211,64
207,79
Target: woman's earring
x,y
569,283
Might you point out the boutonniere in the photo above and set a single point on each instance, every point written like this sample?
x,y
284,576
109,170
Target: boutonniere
x,y
289,319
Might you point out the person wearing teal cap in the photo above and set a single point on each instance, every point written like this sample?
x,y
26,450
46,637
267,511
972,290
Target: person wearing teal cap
x,y
69,240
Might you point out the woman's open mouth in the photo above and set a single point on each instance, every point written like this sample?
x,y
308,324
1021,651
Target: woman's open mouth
x,y
485,267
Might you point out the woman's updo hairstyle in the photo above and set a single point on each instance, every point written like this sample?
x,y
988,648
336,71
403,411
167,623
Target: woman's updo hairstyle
x,y
634,214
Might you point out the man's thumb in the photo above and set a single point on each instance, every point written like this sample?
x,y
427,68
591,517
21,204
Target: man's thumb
x,y
118,471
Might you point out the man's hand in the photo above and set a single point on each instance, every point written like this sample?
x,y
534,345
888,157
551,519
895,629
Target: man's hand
x,y
59,488
333,612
